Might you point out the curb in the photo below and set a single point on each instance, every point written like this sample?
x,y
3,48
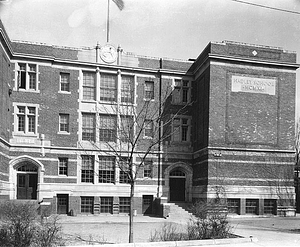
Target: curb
x,y
191,243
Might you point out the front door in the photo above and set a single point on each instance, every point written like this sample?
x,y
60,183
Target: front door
x,y
27,186
177,189
62,203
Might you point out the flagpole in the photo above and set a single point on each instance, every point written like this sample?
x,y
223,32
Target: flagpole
x,y
107,23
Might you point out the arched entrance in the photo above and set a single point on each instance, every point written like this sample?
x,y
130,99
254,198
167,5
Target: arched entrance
x,y
177,188
27,180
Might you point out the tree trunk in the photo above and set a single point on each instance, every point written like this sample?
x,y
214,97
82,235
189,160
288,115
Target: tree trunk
x,y
131,213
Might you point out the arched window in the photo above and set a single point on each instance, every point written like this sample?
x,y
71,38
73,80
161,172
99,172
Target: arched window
x,y
177,173
28,168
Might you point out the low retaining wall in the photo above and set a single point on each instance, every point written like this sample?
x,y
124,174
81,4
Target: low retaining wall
x,y
191,243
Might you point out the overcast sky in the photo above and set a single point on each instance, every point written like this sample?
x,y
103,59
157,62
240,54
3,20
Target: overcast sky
x,y
160,28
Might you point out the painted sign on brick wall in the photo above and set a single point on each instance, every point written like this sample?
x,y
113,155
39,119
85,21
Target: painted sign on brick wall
x,y
253,84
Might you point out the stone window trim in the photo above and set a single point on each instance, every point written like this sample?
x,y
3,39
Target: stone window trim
x,y
26,115
181,94
181,129
149,129
64,83
26,77
64,124
149,92
63,165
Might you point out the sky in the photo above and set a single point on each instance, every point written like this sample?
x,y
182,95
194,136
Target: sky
x,y
159,28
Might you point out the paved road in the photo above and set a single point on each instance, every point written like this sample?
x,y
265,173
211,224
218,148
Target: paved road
x,y
269,232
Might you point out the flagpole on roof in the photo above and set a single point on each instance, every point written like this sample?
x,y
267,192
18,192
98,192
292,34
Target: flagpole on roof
x,y
107,23
120,5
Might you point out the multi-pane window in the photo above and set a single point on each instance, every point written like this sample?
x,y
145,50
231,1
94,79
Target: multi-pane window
x,y
126,129
65,82
127,86
88,127
269,206
148,166
181,91
106,205
149,90
251,206
148,128
87,169
27,76
106,169
181,129
107,128
233,206
26,119
124,165
64,122
124,205
108,87
89,86
87,205
63,166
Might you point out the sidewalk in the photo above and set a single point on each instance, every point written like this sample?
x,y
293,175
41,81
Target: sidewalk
x,y
267,232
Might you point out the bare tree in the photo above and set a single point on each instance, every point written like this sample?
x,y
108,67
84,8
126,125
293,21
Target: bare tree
x,y
133,132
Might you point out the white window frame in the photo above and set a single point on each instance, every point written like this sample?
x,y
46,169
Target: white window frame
x,y
63,158
178,88
153,91
59,122
181,118
60,83
16,119
27,77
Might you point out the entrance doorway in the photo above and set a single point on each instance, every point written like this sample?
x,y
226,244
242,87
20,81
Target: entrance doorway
x,y
177,186
27,180
62,203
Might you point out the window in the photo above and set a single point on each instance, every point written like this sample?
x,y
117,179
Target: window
x,y
106,169
27,76
181,92
87,169
89,83
127,87
63,166
149,90
108,128
148,165
88,127
26,119
251,206
124,206
64,122
65,82
148,128
87,204
124,164
181,129
126,129
108,87
106,205
233,206
269,206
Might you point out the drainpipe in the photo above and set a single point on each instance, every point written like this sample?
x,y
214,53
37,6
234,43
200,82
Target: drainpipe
x,y
160,126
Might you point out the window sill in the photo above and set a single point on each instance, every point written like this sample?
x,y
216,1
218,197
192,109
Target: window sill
x,y
63,133
64,92
152,100
88,101
147,137
22,134
26,90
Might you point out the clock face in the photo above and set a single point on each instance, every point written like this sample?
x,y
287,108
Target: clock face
x,y
108,53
